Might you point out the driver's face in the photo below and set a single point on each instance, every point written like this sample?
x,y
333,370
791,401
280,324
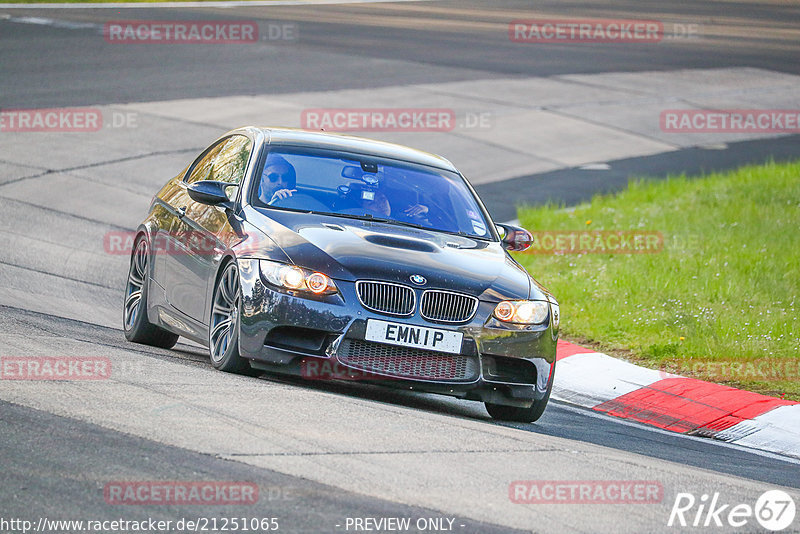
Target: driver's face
x,y
276,176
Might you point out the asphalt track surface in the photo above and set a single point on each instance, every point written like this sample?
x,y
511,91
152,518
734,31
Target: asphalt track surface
x,y
44,445
373,45
323,452
57,466
385,45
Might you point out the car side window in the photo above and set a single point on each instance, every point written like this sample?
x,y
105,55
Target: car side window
x,y
231,162
225,162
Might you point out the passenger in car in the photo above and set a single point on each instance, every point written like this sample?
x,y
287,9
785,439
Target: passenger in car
x,y
278,181
378,201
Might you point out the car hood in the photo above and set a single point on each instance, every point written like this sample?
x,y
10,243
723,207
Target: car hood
x,y
352,249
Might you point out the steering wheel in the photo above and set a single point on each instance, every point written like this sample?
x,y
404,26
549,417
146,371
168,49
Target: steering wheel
x,y
299,201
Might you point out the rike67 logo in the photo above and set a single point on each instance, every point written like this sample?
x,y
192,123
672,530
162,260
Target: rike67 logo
x,y
774,510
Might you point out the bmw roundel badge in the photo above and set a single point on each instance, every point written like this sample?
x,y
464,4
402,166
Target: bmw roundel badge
x,y
418,279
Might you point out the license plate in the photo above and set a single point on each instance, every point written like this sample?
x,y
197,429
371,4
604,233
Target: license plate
x,y
409,335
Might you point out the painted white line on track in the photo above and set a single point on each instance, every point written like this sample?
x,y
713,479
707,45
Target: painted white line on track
x,y
66,24
236,3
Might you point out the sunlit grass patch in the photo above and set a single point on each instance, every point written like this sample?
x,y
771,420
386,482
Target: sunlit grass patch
x,y
723,290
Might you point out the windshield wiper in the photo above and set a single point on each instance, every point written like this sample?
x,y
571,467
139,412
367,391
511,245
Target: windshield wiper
x,y
365,217
409,224
372,218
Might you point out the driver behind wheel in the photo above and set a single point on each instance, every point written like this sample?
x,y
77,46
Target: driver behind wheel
x,y
278,181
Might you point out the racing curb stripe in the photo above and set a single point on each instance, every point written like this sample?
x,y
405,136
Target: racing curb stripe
x,y
565,348
676,403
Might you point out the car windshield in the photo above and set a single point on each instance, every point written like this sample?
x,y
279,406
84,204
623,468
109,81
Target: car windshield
x,y
349,185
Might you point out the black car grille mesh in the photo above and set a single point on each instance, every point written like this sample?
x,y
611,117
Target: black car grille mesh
x,y
383,297
407,362
447,306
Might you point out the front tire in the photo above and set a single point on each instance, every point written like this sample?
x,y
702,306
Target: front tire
x,y
223,326
530,414
134,312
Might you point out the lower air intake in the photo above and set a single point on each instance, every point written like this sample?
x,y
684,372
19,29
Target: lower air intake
x,y
407,362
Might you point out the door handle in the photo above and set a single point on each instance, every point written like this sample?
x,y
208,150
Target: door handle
x,y
182,212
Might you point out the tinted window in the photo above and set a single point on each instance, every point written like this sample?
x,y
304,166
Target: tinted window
x,y
356,186
225,162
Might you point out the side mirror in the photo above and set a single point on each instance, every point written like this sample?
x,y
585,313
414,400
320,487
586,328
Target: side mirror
x,y
209,192
514,238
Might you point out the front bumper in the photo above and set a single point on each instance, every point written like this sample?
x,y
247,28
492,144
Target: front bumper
x,y
323,338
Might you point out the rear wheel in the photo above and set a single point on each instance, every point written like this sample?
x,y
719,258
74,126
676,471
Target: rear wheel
x,y
223,328
134,314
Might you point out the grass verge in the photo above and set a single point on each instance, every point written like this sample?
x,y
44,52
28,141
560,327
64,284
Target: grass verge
x,y
717,300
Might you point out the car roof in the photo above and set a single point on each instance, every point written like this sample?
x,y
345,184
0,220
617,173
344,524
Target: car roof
x,y
358,145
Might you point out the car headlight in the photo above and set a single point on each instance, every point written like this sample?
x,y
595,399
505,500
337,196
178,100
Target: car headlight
x,y
522,311
296,278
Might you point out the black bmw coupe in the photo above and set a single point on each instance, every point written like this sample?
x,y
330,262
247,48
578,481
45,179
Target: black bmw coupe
x,y
336,257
